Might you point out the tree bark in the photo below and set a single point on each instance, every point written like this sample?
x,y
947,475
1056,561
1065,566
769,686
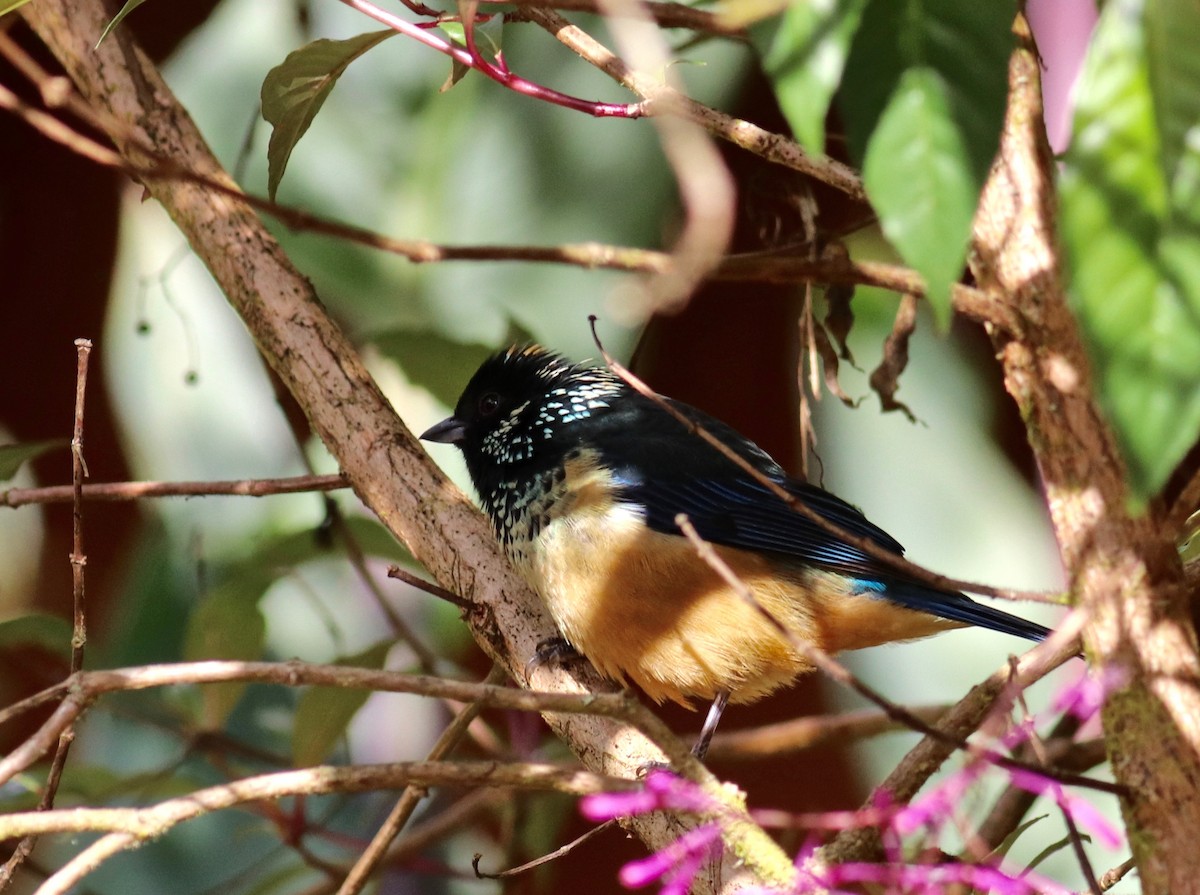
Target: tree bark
x,y
1124,572
386,466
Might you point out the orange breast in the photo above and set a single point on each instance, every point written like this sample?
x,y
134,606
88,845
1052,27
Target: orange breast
x,y
642,606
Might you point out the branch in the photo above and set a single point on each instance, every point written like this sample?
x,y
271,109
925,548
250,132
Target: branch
x,y
131,827
1125,574
122,491
766,267
769,146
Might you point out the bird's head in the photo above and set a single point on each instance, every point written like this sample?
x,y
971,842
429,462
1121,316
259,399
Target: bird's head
x,y
522,410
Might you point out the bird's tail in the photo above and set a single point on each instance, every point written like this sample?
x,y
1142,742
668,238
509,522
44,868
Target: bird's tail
x,y
961,608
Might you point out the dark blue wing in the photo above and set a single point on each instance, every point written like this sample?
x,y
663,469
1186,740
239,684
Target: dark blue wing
x,y
668,475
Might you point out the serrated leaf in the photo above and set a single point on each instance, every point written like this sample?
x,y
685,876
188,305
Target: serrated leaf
x,y
432,361
294,91
227,624
1130,223
919,180
803,53
50,632
322,713
12,456
130,6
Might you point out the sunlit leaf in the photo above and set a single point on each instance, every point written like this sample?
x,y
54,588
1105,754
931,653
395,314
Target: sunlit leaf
x,y
918,178
1130,223
227,624
804,52
294,91
322,713
130,6
12,456
946,62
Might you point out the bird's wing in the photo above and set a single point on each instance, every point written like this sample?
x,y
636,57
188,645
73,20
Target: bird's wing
x,y
741,512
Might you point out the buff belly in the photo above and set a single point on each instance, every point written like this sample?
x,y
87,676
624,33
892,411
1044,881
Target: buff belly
x,y
644,607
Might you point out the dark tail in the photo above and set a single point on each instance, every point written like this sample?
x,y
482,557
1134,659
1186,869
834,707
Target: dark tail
x,y
961,608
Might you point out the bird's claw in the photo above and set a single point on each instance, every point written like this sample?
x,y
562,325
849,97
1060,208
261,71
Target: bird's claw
x,y
551,651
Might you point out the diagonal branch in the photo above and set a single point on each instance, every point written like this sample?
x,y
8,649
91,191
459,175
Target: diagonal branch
x,y
383,462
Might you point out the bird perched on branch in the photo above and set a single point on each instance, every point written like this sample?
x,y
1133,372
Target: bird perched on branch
x,y
583,479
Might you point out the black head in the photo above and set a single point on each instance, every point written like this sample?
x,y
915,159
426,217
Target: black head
x,y
519,413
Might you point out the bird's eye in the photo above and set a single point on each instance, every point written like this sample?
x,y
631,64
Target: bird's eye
x,y
489,403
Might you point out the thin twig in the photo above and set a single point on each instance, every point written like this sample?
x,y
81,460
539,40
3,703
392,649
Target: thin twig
x,y
707,193
750,267
133,826
800,734
559,852
426,658
665,15
126,491
83,349
1111,877
401,574
85,686
770,146
375,851
499,74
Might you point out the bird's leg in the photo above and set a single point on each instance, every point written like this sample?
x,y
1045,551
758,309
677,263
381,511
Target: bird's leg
x,y
551,651
710,724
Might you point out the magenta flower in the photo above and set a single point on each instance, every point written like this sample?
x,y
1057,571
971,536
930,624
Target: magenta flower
x,y
1084,698
1080,810
661,791
677,863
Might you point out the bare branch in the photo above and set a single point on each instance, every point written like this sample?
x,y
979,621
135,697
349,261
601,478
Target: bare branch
x,y
125,491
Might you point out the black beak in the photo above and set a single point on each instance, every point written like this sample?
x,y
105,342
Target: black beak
x,y
448,431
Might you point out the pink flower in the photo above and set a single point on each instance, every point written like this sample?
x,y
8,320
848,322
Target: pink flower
x,y
1084,698
1080,810
678,862
661,791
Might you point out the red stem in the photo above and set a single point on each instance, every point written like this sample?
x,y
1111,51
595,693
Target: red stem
x,y
471,58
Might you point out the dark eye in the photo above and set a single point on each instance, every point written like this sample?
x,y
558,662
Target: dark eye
x,y
489,403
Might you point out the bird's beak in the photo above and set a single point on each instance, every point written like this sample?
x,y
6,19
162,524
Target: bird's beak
x,y
448,431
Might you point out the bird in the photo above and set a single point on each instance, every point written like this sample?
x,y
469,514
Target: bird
x,y
583,478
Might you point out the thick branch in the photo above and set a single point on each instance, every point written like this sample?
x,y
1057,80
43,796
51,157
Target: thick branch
x,y
383,462
1124,575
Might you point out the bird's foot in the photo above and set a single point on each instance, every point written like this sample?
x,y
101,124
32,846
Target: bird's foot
x,y
556,651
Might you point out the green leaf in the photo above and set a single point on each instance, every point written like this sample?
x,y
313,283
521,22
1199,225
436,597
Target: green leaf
x,y
919,180
130,6
227,624
322,713
968,44
1130,224
294,91
946,63
12,456
10,5
47,631
432,361
804,52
